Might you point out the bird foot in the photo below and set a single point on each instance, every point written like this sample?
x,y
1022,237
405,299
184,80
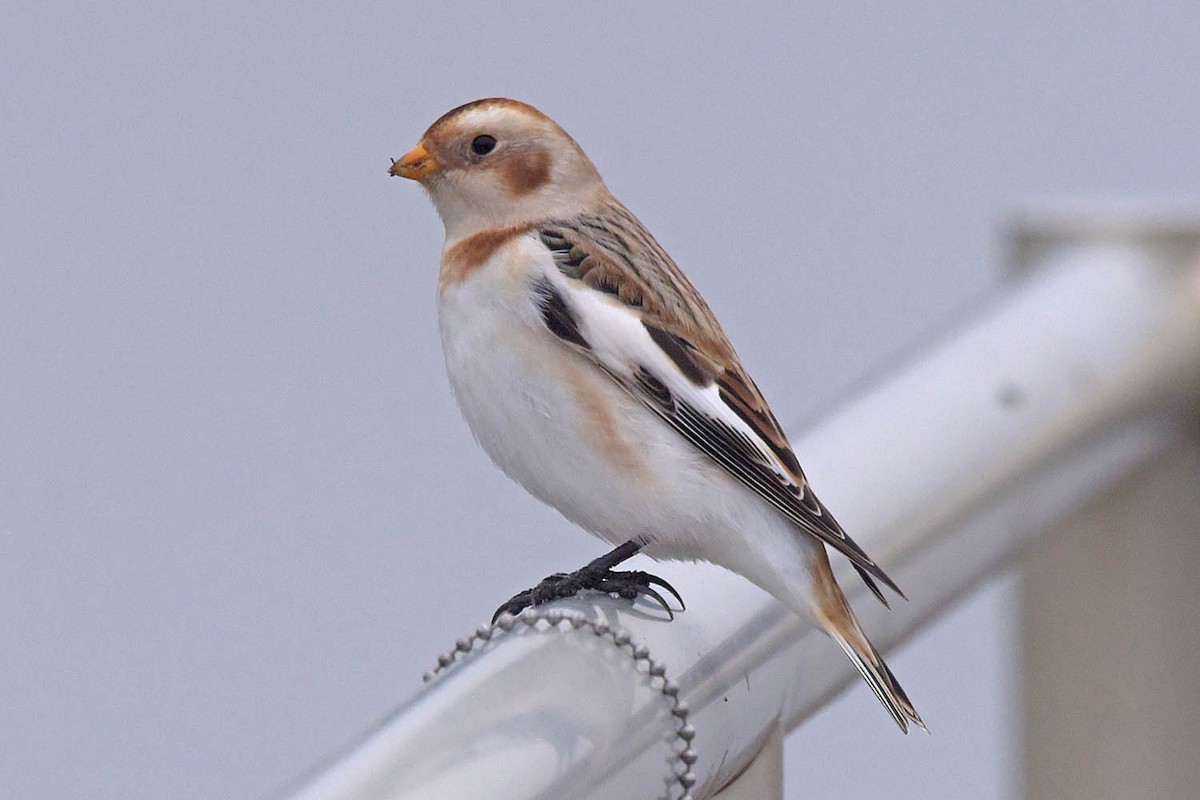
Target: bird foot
x,y
597,577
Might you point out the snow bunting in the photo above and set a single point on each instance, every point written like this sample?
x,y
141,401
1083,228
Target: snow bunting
x,y
594,374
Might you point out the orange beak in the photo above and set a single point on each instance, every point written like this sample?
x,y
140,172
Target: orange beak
x,y
416,165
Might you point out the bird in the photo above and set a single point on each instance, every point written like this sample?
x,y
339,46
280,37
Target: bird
x,y
594,374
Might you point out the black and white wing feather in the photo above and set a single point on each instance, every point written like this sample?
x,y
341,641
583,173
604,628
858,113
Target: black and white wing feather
x,y
617,297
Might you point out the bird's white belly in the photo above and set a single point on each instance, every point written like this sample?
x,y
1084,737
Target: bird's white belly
x,y
568,433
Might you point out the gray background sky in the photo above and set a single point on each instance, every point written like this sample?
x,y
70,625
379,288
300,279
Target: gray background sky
x,y
239,513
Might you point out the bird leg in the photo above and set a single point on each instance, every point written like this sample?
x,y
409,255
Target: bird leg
x,y
598,576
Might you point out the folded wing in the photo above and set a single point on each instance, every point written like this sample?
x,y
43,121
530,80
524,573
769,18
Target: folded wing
x,y
659,340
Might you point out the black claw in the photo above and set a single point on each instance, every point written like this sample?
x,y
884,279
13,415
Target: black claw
x,y
631,591
515,604
654,580
596,576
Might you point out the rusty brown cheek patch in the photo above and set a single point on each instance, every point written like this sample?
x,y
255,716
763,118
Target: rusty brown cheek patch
x,y
525,171
465,257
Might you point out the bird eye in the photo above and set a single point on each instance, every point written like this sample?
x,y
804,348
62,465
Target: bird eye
x,y
482,145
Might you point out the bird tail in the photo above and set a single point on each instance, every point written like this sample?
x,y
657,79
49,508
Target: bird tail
x,y
879,677
842,626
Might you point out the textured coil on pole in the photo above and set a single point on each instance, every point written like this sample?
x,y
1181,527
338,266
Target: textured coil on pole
x,y
557,620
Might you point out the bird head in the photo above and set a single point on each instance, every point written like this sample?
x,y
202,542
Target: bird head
x,y
499,162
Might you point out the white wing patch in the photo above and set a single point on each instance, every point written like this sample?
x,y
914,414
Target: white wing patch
x,y
612,334
619,342
622,345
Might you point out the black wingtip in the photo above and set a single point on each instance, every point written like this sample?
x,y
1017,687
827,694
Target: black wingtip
x,y
872,585
876,572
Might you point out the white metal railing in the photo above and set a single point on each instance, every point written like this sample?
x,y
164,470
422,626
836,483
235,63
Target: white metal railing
x,y
1077,370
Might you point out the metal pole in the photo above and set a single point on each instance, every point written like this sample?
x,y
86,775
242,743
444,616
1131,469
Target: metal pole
x,y
1111,642
1068,378
763,778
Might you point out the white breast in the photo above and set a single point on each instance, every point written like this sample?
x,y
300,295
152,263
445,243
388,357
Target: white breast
x,y
567,432
550,419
